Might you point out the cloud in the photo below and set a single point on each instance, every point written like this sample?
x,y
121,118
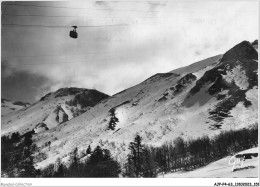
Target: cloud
x,y
21,86
111,59
6,70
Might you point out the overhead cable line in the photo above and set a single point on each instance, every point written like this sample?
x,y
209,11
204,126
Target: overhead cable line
x,y
80,16
60,26
79,8
35,15
23,56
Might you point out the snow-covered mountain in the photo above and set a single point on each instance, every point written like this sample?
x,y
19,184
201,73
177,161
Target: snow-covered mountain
x,y
53,109
8,106
203,98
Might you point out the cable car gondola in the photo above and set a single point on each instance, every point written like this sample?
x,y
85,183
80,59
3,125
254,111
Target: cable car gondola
x,y
73,33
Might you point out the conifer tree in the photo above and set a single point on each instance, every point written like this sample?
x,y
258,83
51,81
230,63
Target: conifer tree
x,y
113,119
88,150
74,167
135,156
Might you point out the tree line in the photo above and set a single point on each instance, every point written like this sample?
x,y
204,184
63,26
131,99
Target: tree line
x,y
98,164
17,156
180,154
19,153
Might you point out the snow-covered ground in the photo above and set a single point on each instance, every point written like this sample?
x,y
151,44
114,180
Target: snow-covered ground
x,y
51,110
8,106
222,169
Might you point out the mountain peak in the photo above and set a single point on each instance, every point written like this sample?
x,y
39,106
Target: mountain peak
x,y
64,92
68,91
243,50
255,42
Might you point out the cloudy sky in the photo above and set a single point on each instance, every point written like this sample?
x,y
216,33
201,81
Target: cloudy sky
x,y
119,45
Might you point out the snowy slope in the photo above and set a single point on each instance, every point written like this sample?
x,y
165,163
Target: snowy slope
x,y
198,65
203,98
8,106
52,110
222,169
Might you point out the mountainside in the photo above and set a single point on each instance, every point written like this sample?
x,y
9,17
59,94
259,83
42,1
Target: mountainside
x,y
53,109
8,106
203,98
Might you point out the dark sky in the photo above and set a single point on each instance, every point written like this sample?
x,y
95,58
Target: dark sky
x,y
126,43
21,86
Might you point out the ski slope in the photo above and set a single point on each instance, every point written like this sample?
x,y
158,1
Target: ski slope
x,y
222,169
